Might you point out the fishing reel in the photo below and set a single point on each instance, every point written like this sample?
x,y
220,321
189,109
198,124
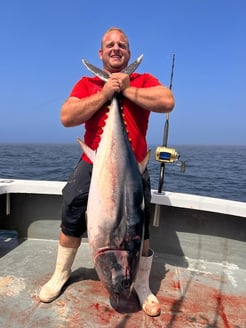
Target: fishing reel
x,y
169,155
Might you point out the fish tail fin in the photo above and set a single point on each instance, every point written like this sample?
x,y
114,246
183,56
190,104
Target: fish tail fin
x,y
142,166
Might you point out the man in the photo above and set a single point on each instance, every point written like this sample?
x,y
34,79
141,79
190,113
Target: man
x,y
87,103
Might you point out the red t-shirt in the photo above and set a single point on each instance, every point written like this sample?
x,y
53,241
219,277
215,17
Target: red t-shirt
x,y
136,118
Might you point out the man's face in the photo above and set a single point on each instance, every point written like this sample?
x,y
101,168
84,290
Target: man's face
x,y
115,52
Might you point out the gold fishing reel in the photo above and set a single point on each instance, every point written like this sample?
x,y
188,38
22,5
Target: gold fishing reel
x,y
168,155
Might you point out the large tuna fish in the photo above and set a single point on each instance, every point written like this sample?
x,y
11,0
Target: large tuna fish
x,y
115,210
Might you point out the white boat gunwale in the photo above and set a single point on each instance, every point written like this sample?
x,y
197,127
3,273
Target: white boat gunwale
x,y
174,199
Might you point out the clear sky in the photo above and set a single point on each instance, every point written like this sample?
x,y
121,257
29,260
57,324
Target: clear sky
x,y
43,42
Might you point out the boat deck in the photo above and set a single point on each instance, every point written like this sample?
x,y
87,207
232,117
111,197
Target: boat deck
x,y
192,293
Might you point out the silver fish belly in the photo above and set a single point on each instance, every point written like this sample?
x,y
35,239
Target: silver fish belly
x,y
115,210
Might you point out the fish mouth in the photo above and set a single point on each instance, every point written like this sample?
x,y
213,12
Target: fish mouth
x,y
113,267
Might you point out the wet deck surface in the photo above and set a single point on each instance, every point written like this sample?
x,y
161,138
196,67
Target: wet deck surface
x,y
192,293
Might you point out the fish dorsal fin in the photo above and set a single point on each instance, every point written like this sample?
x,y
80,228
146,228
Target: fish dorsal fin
x,y
91,154
142,166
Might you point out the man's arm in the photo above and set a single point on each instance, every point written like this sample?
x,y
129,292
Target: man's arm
x,y
76,111
156,99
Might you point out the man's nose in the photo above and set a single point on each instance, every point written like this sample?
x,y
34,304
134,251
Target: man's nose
x,y
116,46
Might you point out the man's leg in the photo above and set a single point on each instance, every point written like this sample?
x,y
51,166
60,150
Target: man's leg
x,y
147,299
66,253
73,226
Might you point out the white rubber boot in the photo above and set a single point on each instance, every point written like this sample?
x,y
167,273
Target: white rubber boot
x,y
52,289
148,301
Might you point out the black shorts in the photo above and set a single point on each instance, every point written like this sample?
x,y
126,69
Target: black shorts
x,y
75,196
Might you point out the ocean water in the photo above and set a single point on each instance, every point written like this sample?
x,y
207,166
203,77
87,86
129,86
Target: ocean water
x,y
215,171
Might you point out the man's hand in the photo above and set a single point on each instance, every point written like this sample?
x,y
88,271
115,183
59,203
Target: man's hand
x,y
116,83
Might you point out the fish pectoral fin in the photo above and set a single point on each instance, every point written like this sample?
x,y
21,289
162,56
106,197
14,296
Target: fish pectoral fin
x,y
142,166
91,154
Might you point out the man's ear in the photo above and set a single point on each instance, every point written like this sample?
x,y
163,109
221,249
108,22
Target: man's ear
x,y
100,53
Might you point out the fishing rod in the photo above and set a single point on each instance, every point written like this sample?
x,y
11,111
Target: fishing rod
x,y
165,155
162,153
